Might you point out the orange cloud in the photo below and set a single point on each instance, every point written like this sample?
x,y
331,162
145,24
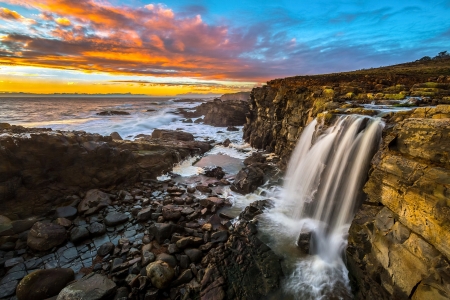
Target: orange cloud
x,y
150,40
9,14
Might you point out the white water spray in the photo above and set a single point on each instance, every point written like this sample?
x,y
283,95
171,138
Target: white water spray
x,y
322,192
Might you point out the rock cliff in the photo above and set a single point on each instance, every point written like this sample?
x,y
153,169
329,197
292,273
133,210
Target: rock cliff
x,y
280,110
399,241
221,113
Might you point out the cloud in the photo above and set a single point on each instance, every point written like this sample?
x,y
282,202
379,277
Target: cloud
x,y
11,15
63,21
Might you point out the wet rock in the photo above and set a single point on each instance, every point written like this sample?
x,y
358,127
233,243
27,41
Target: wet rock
x,y
194,255
163,231
304,241
79,234
170,212
115,218
8,289
189,242
13,261
223,113
226,143
232,128
256,157
94,201
96,229
203,189
248,180
160,274
116,136
144,214
254,209
43,284
44,236
92,287
169,259
172,135
216,172
67,212
105,249
219,237
112,113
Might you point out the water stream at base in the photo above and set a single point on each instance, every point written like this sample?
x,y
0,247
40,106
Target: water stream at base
x,y
322,190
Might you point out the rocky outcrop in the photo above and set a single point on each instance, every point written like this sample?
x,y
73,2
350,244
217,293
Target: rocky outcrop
x,y
38,167
281,109
399,242
241,96
221,113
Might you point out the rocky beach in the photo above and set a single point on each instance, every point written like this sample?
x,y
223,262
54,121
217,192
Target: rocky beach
x,y
91,216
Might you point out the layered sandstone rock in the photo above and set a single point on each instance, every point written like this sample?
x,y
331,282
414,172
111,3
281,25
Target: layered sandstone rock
x,y
399,241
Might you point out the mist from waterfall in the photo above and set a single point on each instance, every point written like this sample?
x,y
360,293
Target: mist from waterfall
x,y
323,189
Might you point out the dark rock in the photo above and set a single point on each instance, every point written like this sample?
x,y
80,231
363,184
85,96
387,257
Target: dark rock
x,y
304,241
226,143
13,261
254,209
113,113
79,234
115,218
8,289
67,212
203,189
169,259
44,236
163,231
232,128
97,229
116,136
194,255
170,212
185,277
248,180
222,113
105,249
94,201
219,237
256,157
92,287
216,172
144,214
172,135
160,274
189,242
43,284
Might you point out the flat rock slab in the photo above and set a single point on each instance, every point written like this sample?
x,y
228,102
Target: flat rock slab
x,y
115,218
92,287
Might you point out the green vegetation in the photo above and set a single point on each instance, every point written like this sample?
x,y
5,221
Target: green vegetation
x,y
394,96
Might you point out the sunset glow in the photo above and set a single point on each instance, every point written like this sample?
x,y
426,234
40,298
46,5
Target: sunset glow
x,y
176,47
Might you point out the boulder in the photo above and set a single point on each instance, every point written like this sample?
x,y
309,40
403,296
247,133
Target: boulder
x,y
172,135
216,172
194,255
79,234
256,157
96,229
44,236
94,201
248,180
105,249
115,218
144,214
91,287
222,113
116,136
160,274
67,212
163,231
43,284
189,241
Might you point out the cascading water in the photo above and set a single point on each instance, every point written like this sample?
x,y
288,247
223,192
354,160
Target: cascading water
x,y
322,191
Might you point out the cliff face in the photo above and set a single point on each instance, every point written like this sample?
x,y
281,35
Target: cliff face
x,y
38,167
280,110
399,243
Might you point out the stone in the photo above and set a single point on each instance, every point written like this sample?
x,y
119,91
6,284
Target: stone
x,y
160,274
172,135
67,212
248,180
194,255
170,212
203,189
91,287
43,284
96,229
79,234
219,237
169,259
189,242
8,289
144,214
185,277
116,136
13,261
232,128
304,241
163,231
226,143
256,157
115,218
64,222
105,249
216,172
94,201
44,236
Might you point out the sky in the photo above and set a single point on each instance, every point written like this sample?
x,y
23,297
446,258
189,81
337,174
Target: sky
x,y
205,47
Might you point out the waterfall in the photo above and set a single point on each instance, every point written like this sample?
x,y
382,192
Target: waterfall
x,y
322,191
